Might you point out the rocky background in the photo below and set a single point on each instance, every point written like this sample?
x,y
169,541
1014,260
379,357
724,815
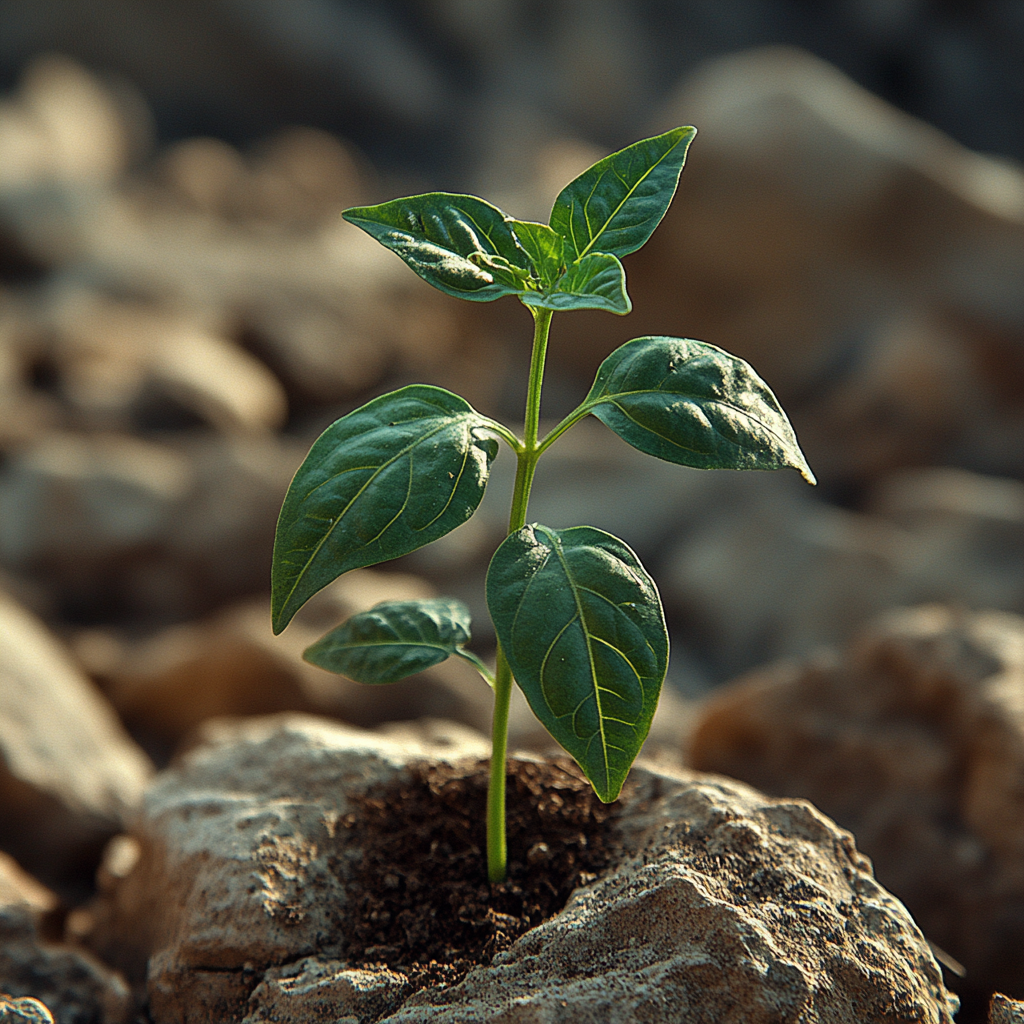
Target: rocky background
x,y
182,311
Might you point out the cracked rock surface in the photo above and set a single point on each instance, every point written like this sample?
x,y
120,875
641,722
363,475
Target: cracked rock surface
x,y
722,904
914,740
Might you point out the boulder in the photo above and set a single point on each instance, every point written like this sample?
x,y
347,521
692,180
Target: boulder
x,y
768,570
69,983
34,967
1005,1011
231,663
914,740
69,774
120,526
715,902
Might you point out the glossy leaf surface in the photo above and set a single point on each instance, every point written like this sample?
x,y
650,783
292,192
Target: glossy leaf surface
x,y
581,624
392,640
598,281
459,244
615,205
691,403
386,479
544,247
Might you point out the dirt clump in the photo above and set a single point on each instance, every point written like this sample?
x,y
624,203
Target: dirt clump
x,y
420,899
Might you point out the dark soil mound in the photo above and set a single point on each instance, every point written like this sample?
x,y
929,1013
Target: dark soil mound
x,y
421,902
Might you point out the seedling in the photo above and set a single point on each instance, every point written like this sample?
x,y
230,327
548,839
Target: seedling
x,y
579,622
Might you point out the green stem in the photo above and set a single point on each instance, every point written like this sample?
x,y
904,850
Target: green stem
x,y
497,857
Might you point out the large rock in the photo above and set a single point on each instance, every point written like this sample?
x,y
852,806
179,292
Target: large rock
x,y
121,526
914,740
721,903
73,984
868,266
69,773
769,571
232,664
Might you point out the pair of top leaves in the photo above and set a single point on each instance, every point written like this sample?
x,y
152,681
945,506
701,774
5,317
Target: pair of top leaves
x,y
575,612
470,249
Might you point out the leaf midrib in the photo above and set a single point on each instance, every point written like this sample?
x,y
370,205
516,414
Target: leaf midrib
x,y
449,421
639,181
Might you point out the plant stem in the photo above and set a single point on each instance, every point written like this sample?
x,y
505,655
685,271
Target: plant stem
x,y
497,857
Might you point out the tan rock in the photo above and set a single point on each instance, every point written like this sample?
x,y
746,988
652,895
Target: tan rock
x,y
868,266
238,901
118,362
319,991
69,774
775,572
19,888
143,528
914,740
1003,1010
232,664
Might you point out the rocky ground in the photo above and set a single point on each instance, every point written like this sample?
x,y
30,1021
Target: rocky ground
x,y
185,801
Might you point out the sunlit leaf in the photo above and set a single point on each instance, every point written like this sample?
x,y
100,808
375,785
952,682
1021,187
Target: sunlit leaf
x,y
394,639
615,205
598,281
544,247
581,624
386,479
459,244
692,403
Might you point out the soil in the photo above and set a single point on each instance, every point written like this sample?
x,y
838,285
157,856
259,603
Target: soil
x,y
422,904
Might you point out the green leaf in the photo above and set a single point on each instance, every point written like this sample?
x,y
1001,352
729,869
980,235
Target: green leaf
x,y
544,247
394,639
691,403
598,281
581,624
615,205
459,244
386,479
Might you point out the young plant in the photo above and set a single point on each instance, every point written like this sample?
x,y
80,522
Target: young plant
x,y
579,622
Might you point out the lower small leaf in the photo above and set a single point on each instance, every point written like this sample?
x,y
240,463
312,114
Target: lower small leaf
x,y
581,624
394,639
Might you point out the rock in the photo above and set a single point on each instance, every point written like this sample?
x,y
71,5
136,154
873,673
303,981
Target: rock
x,y
121,365
18,888
75,986
62,125
914,740
23,1011
768,571
969,531
68,983
314,990
232,664
1005,1011
69,774
71,497
868,266
237,901
117,525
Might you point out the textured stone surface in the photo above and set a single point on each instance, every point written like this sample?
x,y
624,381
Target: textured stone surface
x,y
69,773
914,740
319,991
23,1011
1004,1010
726,905
74,986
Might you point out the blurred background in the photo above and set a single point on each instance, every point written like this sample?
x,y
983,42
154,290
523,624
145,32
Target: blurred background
x,y
182,311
